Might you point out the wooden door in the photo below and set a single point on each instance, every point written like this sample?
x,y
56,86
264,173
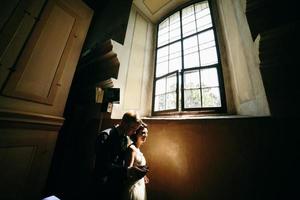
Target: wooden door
x,y
35,90
43,73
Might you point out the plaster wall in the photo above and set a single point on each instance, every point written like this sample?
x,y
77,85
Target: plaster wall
x,y
211,159
242,60
136,66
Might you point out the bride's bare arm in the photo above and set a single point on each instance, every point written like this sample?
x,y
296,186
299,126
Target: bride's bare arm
x,y
130,157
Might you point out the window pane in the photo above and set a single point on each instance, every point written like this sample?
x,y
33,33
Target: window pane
x,y
206,45
175,57
208,56
175,27
162,61
163,30
174,33
206,37
175,50
188,21
175,18
211,97
160,103
163,24
161,69
163,39
171,101
190,45
191,79
192,98
175,64
160,86
171,83
163,33
188,11
191,60
162,54
203,17
208,53
189,28
191,55
209,78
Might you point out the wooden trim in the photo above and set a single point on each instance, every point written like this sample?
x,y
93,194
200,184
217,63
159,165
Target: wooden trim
x,y
11,116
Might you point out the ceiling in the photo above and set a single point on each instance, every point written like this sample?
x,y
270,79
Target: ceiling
x,y
154,10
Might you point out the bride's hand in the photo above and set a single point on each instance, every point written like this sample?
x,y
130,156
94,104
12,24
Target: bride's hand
x,y
146,179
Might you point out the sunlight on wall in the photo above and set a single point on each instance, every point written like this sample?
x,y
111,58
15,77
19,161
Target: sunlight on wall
x,y
136,66
172,155
134,77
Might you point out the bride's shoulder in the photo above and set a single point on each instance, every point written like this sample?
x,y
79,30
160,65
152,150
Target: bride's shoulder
x,y
133,148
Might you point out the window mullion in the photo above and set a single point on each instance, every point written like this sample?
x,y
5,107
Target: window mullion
x,y
177,90
166,93
199,57
182,64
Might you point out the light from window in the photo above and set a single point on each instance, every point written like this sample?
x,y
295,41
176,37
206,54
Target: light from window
x,y
187,62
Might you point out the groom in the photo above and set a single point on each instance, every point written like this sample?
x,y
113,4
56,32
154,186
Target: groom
x,y
111,145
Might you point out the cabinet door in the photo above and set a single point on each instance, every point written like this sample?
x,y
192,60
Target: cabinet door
x,y
52,50
17,18
25,155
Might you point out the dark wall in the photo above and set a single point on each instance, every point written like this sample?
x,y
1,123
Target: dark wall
x,y
279,26
109,22
213,159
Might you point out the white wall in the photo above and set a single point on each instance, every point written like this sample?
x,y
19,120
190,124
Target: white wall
x,y
242,60
136,66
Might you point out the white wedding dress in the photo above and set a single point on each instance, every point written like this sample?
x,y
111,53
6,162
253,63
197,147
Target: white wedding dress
x,y
138,190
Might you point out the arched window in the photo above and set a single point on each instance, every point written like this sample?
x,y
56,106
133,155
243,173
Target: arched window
x,y
188,74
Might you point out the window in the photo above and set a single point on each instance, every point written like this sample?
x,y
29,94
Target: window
x,y
187,67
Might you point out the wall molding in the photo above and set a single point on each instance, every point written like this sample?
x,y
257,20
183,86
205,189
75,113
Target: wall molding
x,y
12,116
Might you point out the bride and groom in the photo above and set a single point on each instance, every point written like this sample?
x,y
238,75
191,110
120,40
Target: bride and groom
x,y
120,166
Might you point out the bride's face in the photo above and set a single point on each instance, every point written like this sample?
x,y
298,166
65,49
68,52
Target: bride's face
x,y
142,136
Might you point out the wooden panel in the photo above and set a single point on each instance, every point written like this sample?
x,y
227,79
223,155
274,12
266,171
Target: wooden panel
x,y
39,68
43,73
10,47
17,19
34,7
6,10
25,156
15,162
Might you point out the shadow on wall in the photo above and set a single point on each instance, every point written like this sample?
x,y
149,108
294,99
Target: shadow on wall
x,y
232,159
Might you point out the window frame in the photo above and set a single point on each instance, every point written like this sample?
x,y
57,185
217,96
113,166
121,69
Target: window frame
x,y
180,74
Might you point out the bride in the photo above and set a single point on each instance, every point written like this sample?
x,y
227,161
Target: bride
x,y
137,190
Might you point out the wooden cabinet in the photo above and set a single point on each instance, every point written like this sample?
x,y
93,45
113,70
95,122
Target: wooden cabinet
x,y
26,147
39,80
17,18
40,45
